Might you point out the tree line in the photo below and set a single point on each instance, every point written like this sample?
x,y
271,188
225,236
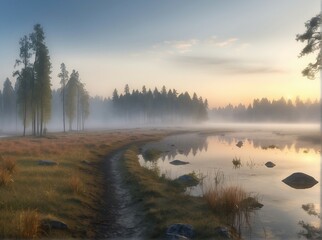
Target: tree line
x,y
264,110
30,98
156,106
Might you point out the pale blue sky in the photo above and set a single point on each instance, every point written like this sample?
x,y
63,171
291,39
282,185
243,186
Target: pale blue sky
x,y
209,46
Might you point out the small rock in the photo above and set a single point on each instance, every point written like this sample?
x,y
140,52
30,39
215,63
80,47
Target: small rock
x,y
251,203
49,224
270,164
188,180
300,180
86,162
223,232
179,231
178,162
239,144
47,163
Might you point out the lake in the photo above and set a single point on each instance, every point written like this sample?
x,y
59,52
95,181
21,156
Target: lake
x,y
210,152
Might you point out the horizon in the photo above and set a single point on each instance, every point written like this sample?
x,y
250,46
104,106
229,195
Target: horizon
x,y
195,47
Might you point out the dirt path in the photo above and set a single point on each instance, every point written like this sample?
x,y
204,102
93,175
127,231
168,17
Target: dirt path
x,y
121,217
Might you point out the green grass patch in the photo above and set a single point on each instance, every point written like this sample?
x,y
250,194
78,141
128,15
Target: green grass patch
x,y
164,201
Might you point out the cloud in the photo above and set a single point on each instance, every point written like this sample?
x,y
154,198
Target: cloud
x,y
228,65
226,42
182,46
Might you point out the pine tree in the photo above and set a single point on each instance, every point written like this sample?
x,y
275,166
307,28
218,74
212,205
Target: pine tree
x,y
63,75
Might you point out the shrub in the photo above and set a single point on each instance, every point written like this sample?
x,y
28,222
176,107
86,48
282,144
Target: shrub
x,y
5,177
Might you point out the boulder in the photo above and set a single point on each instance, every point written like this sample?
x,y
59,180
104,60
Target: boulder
x,y
47,163
178,162
179,231
270,164
239,144
300,180
188,180
49,224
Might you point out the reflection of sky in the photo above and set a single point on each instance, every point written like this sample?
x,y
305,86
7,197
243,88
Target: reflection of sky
x,y
282,204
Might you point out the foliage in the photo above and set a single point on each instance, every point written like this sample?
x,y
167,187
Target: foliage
x,y
159,106
312,37
264,110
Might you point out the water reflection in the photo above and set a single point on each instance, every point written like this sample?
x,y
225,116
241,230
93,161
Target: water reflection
x,y
310,231
184,144
208,153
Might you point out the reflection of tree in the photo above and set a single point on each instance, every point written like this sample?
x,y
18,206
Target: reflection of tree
x,y
265,142
310,231
180,144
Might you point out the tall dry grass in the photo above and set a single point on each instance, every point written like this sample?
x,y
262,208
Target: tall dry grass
x,y
29,225
7,168
76,184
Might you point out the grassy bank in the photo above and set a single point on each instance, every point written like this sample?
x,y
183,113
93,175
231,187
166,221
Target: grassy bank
x,y
164,201
70,191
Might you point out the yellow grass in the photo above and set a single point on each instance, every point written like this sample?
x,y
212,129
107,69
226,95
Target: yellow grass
x,y
76,184
51,189
5,177
29,224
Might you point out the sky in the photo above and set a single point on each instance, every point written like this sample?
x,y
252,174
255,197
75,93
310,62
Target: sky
x,y
226,51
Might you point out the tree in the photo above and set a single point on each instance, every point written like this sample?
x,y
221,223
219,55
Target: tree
x,y
8,97
63,75
312,37
41,87
24,80
71,97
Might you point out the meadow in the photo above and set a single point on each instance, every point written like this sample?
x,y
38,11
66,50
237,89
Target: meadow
x,y
72,192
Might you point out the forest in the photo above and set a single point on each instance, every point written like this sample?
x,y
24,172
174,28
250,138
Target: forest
x,y
265,110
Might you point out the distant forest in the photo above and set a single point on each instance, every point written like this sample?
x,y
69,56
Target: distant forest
x,y
264,110
159,106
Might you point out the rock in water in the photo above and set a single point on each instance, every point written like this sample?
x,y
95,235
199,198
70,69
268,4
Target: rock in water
x,y
180,231
188,180
47,163
239,144
178,162
251,203
300,180
270,164
223,232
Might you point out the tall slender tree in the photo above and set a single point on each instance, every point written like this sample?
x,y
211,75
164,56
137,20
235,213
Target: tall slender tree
x,y
63,75
24,79
41,85
8,102
71,97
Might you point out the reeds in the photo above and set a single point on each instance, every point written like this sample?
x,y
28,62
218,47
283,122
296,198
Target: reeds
x,y
236,162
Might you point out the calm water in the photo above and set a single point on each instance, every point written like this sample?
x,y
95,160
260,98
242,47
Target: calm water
x,y
210,153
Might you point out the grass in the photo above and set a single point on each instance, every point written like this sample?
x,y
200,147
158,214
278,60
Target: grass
x,y
71,191
236,162
232,203
76,184
165,203
29,225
